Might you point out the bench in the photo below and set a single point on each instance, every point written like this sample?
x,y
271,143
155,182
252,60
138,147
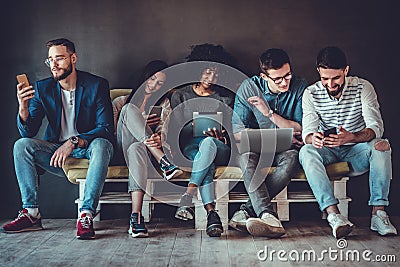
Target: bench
x,y
224,181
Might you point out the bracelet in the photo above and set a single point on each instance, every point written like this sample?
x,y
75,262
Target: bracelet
x,y
270,113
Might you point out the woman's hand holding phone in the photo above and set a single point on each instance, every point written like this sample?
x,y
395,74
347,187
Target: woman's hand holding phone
x,y
152,119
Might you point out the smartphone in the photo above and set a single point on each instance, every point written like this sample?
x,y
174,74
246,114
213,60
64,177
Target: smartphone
x,y
330,131
23,78
155,110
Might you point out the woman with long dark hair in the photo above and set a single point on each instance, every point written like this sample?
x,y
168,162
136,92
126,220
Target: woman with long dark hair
x,y
139,133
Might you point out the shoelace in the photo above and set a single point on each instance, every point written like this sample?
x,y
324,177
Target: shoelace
x,y
85,222
385,219
335,219
22,214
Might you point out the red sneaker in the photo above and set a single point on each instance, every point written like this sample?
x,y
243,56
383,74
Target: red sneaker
x,y
24,222
84,226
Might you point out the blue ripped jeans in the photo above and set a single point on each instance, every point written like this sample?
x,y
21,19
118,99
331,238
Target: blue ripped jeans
x,y
206,153
362,157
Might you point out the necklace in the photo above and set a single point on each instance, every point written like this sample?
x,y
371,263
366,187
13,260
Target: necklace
x,y
71,97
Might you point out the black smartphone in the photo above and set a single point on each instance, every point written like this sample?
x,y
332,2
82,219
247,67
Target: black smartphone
x,y
330,131
155,110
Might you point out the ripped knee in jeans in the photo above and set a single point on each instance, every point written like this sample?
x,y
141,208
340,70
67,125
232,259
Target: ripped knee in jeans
x,y
382,145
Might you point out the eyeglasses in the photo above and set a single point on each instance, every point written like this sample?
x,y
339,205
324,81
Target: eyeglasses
x,y
278,80
58,60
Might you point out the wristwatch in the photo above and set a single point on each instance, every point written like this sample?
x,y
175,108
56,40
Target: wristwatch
x,y
74,140
270,113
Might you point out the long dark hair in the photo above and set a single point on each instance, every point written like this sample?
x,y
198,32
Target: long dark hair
x,y
136,97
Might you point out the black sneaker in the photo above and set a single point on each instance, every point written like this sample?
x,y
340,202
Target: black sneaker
x,y
185,211
171,172
137,227
214,225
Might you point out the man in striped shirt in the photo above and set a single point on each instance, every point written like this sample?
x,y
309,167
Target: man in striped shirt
x,y
349,105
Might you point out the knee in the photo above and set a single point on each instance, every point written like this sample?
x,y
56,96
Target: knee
x,y
292,155
382,145
21,144
102,145
306,150
137,147
207,143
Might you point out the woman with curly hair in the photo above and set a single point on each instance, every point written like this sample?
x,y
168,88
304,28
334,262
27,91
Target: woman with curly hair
x,y
213,148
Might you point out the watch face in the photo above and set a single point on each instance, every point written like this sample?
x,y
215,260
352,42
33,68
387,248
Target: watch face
x,y
74,139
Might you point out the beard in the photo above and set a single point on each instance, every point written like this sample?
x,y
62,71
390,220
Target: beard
x,y
65,74
336,92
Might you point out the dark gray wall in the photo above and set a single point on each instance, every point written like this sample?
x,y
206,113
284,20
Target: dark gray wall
x,y
115,39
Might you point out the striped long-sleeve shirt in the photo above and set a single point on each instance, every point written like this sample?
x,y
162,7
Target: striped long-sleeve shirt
x,y
356,109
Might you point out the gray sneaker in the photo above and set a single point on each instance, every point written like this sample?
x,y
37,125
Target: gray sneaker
x,y
238,221
381,224
268,225
186,208
341,226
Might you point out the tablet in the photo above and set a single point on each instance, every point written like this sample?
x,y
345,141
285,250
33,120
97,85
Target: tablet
x,y
204,120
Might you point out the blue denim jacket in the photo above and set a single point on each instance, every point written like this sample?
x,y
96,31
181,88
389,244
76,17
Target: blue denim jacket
x,y
287,104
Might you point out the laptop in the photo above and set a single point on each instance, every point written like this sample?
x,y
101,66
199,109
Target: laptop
x,y
266,140
204,120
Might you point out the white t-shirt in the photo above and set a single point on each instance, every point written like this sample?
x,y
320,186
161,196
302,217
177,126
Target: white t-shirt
x,y
68,125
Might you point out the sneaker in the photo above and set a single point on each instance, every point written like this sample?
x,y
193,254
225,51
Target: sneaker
x,y
137,228
23,223
84,226
381,224
185,211
341,226
214,225
171,172
238,221
268,225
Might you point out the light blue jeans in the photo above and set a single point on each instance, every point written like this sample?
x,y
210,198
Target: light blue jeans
x,y
30,153
362,157
206,153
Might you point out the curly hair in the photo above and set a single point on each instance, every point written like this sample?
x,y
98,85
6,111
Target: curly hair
x,y
210,52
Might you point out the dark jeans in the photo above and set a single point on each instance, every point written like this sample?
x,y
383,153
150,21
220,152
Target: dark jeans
x,y
262,189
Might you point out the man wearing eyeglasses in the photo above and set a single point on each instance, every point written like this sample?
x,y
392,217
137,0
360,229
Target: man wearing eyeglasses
x,y
269,100
78,108
350,106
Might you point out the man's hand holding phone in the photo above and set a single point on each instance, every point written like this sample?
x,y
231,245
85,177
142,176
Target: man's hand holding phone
x,y
338,139
25,92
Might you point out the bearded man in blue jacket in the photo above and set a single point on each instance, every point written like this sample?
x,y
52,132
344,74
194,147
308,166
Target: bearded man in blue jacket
x,y
78,108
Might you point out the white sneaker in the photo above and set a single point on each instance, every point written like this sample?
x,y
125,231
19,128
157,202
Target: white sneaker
x,y
268,225
341,226
381,224
238,221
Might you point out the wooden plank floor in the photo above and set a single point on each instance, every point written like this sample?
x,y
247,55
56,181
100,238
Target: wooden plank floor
x,y
174,243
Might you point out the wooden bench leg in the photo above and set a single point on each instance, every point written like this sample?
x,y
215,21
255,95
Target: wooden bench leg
x,y
148,207
97,216
200,217
282,208
222,208
146,210
343,207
